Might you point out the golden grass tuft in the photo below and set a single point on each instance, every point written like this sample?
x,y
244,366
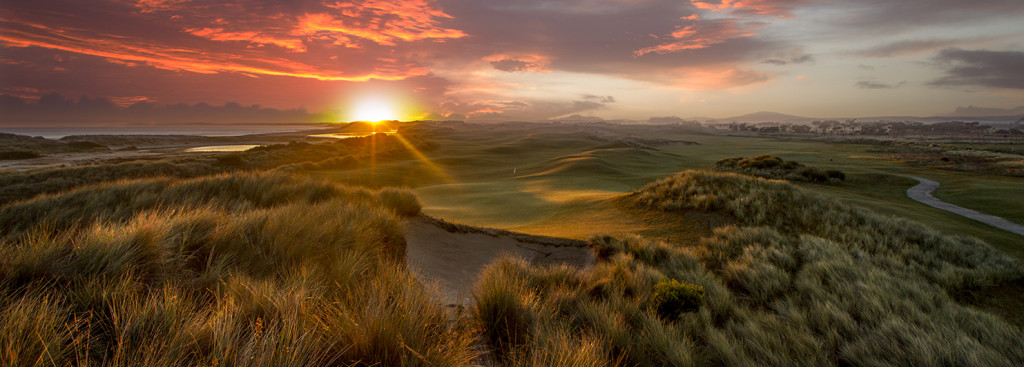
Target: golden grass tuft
x,y
244,269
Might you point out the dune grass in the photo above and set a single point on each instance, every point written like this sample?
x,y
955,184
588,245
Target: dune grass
x,y
803,280
273,269
243,269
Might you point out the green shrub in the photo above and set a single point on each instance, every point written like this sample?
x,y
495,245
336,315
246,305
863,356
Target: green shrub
x,y
836,174
813,175
768,166
672,297
86,145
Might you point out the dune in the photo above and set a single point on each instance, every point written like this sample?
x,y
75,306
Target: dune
x,y
450,257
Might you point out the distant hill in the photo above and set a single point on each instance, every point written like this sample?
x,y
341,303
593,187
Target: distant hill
x,y
13,142
767,116
770,116
989,115
975,111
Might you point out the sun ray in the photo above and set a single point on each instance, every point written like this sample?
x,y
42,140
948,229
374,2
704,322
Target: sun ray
x,y
423,158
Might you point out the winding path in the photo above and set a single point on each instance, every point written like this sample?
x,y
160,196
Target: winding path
x,y
923,193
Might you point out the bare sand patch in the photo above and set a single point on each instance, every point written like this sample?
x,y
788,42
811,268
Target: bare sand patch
x,y
451,256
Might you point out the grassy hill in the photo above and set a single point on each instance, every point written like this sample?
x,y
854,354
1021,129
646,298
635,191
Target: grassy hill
x,y
801,280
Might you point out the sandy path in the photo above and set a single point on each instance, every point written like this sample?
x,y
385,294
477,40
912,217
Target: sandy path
x,y
923,193
453,256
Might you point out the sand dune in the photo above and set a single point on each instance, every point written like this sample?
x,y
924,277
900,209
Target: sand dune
x,y
451,256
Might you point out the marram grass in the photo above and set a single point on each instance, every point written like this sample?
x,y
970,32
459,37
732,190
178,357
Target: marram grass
x,y
242,269
802,280
270,269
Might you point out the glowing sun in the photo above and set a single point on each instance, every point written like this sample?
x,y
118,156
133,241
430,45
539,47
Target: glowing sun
x,y
374,110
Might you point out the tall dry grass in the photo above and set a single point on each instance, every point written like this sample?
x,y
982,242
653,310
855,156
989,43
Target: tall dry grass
x,y
241,269
803,280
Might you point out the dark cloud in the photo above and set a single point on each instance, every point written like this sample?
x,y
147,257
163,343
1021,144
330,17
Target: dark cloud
x,y
886,16
907,47
511,65
603,42
993,69
598,99
866,67
799,59
878,85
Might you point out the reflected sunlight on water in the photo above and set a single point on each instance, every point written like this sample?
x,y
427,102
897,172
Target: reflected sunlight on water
x,y
223,148
350,135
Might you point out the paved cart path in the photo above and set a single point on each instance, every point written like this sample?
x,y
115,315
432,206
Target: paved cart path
x,y
923,193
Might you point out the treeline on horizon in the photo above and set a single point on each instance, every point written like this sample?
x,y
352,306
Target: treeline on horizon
x,y
965,129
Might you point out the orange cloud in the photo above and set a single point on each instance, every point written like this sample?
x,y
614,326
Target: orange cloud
x,y
128,50
148,6
486,111
277,42
719,78
218,34
700,35
382,22
127,101
777,8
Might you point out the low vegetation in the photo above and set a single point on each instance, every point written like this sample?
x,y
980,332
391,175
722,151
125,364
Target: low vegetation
x,y
1006,159
672,297
39,144
803,280
296,156
768,166
243,269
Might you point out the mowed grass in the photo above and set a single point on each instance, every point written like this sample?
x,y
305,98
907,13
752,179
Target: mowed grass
x,y
519,178
800,280
565,181
241,269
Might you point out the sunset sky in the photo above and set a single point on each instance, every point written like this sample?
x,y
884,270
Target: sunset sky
x,y
510,59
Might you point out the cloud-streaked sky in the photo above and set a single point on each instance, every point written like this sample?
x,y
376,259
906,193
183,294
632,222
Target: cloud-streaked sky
x,y
522,59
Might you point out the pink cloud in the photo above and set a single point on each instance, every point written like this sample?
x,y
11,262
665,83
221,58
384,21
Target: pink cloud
x,y
219,34
382,22
271,39
777,8
698,35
